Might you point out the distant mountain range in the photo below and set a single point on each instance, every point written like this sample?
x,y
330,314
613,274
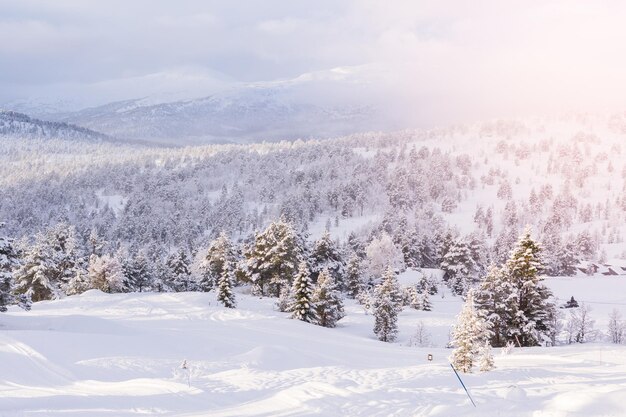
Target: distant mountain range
x,y
19,125
315,105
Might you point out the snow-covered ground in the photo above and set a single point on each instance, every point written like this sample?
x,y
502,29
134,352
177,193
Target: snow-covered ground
x,y
120,355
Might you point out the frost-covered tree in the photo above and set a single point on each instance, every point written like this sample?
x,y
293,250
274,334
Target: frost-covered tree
x,y
580,325
273,259
530,309
387,304
179,275
382,253
301,306
485,359
327,300
79,283
617,327
9,261
326,255
225,294
219,261
493,299
468,336
354,278
36,277
105,273
460,270
139,274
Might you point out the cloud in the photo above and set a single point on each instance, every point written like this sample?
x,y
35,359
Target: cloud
x,y
432,61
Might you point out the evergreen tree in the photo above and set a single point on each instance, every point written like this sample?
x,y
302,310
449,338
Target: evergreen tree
x,y
8,263
530,309
139,274
468,336
225,294
301,307
273,259
495,299
354,276
178,271
327,300
35,278
219,261
387,305
485,360
79,283
105,273
459,268
326,255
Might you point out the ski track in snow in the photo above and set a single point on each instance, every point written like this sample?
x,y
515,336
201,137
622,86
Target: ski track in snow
x,y
121,355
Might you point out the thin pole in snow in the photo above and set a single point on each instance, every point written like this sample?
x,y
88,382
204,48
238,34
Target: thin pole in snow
x,y
463,385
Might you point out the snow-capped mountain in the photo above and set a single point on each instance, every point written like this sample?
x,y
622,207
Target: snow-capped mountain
x,y
13,124
239,114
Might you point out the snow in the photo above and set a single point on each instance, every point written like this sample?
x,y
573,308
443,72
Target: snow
x,y
102,354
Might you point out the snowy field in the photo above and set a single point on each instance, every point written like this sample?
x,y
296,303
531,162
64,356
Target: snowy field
x,y
120,355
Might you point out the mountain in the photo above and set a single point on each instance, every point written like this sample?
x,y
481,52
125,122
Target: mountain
x,y
239,115
13,124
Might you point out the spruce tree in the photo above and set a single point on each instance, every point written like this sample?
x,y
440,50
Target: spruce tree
x,y
326,255
468,336
496,301
178,271
327,300
529,323
219,261
387,305
35,278
8,263
301,307
139,274
485,360
272,260
354,276
225,294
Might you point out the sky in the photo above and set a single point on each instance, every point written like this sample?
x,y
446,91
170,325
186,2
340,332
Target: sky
x,y
434,61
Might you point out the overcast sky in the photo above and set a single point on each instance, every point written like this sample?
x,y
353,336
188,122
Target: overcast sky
x,y
447,60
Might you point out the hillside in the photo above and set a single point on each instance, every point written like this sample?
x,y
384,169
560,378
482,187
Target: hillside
x,y
18,125
101,355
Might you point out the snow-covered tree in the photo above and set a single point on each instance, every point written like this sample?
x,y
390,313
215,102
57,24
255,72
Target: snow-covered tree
x,y
383,253
617,327
460,270
327,300
301,306
36,277
273,259
225,294
105,273
580,325
468,336
219,261
354,278
179,275
485,359
326,255
138,273
8,263
530,309
387,304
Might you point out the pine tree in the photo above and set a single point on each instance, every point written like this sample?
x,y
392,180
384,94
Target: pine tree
x,y
219,261
9,261
532,305
468,335
354,276
272,260
327,300
459,268
485,360
387,305
326,255
105,273
301,307
35,278
139,275
495,299
178,271
225,294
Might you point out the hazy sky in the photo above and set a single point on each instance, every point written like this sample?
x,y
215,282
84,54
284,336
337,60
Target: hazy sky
x,y
445,60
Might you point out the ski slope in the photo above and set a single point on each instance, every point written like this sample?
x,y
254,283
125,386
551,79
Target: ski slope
x,y
121,354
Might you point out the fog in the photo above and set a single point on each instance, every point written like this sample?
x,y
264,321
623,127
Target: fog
x,y
427,62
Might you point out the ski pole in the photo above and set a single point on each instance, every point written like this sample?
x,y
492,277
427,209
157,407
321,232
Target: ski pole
x,y
463,385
